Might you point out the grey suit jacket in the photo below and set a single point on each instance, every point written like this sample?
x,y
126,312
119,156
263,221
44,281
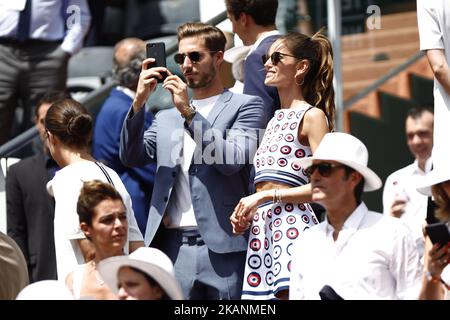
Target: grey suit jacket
x,y
218,180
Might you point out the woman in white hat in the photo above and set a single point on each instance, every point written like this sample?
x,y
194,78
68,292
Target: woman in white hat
x,y
301,68
146,274
436,278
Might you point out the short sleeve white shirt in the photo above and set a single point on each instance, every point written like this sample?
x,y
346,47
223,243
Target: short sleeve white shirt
x,y
433,19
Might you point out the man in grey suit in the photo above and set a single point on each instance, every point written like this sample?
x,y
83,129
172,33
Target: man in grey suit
x,y
203,149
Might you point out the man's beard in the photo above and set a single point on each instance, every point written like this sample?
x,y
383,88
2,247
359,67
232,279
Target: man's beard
x,y
203,82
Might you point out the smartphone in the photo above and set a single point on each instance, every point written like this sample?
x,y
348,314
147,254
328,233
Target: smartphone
x,y
438,233
157,51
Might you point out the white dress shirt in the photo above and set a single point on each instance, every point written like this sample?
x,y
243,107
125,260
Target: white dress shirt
x,y
373,257
180,212
402,184
50,21
434,33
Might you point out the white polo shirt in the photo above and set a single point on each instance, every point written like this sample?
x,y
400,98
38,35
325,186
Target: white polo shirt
x,y
402,183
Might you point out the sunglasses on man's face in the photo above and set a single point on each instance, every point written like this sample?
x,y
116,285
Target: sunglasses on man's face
x,y
325,168
194,56
276,57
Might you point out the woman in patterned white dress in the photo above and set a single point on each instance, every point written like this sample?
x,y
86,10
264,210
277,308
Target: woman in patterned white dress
x,y
301,68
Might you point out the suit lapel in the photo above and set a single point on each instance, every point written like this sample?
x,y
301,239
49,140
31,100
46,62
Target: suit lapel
x,y
177,123
219,106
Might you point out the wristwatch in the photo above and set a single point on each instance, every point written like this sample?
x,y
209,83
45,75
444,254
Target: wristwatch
x,y
189,112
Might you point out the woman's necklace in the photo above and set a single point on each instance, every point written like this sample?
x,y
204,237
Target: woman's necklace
x,y
96,274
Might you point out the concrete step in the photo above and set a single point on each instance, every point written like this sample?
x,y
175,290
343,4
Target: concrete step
x,y
373,53
395,20
369,70
380,38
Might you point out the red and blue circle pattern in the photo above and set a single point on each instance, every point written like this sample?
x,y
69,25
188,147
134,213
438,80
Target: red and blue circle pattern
x,y
268,255
277,156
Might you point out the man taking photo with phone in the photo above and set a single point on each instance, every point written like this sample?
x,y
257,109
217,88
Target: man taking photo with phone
x,y
202,148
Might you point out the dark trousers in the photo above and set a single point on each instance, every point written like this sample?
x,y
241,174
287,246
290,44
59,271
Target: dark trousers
x,y
27,70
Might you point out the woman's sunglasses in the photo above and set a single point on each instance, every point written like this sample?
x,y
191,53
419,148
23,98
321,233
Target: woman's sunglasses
x,y
325,168
276,57
194,56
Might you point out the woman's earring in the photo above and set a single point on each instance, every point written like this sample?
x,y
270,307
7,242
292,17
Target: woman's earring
x,y
301,83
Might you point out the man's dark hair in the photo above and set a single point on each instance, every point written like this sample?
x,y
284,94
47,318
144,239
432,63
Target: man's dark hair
x,y
358,191
50,97
416,112
263,12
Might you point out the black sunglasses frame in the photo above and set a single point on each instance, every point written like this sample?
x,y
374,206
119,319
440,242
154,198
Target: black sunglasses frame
x,y
276,57
325,168
194,56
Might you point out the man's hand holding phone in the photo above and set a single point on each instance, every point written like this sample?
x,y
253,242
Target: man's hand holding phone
x,y
148,80
153,71
439,255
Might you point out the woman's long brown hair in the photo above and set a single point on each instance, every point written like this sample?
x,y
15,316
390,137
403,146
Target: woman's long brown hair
x,y
317,87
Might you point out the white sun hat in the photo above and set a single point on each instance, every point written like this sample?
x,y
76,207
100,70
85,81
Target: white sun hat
x,y
234,54
151,261
435,176
346,149
45,290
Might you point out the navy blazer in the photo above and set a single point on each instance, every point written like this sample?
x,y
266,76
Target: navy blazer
x,y
30,213
216,187
255,74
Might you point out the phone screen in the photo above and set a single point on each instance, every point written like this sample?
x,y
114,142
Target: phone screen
x,y
157,51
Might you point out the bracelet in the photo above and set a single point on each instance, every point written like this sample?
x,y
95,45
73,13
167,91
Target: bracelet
x,y
276,196
432,278
191,111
